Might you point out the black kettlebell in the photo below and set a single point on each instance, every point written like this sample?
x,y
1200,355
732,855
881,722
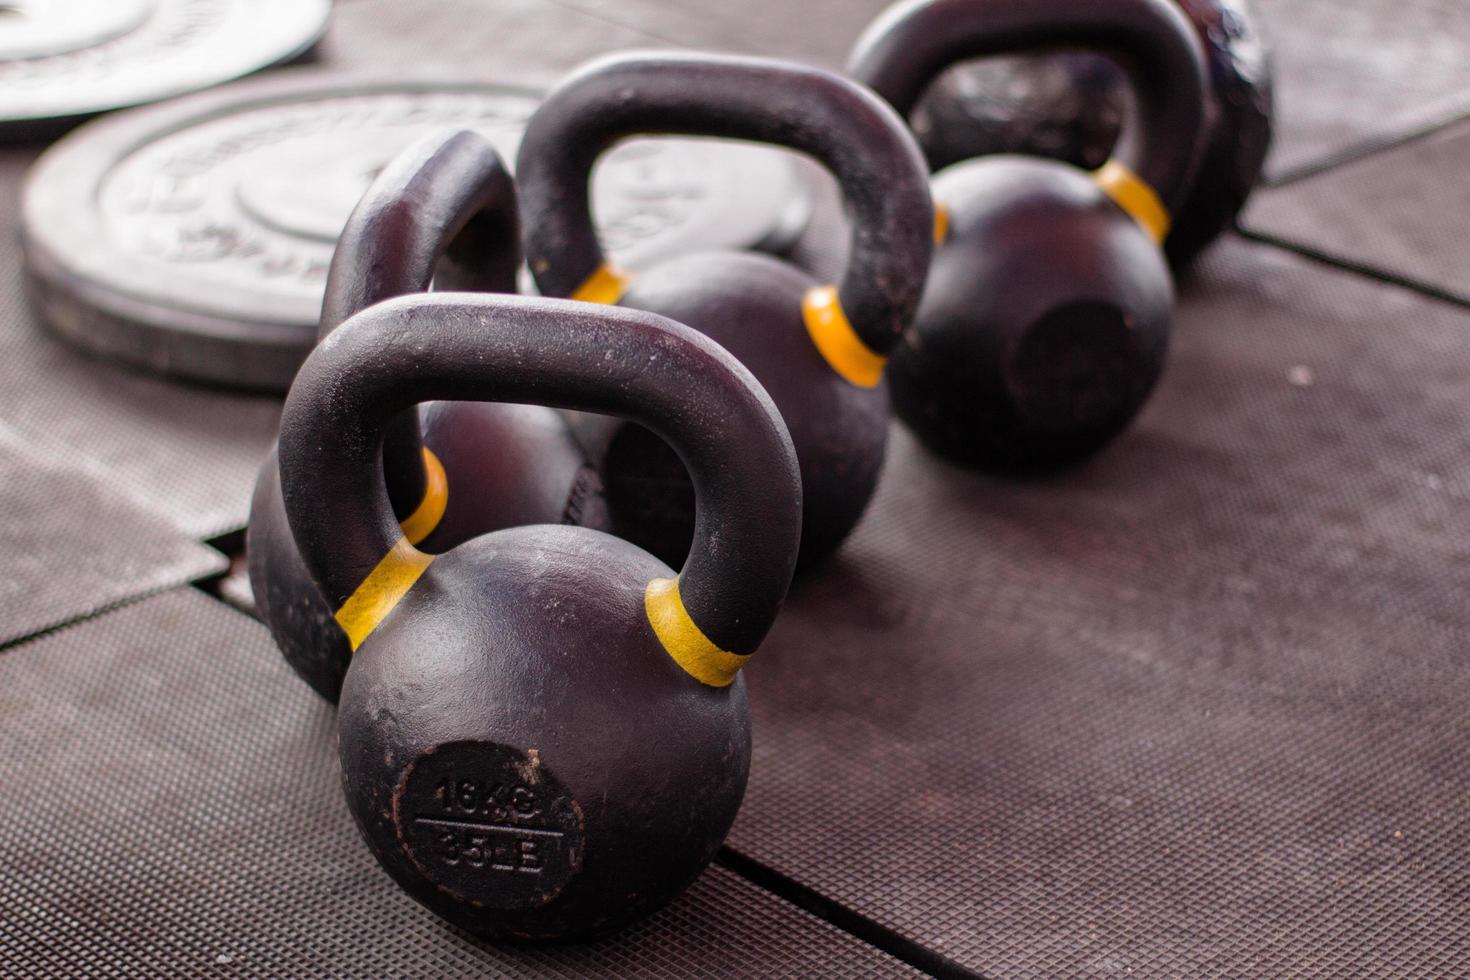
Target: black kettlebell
x,y
1070,106
1045,321
543,731
819,350
444,208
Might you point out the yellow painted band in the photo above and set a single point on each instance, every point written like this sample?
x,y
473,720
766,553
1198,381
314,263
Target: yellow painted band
x,y
836,341
941,223
421,523
684,640
605,286
1134,196
381,591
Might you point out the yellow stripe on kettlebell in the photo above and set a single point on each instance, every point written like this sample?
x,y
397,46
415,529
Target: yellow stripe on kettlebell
x,y
421,523
941,223
381,591
836,341
1133,195
605,286
684,640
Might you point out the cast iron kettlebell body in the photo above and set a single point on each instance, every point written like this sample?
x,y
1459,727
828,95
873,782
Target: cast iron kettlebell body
x,y
543,731
1045,320
818,350
446,200
1070,106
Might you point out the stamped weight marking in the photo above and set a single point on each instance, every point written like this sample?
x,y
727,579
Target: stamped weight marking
x,y
195,238
490,823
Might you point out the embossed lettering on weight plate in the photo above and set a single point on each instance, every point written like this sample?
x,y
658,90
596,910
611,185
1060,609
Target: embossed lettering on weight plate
x,y
257,198
171,26
490,824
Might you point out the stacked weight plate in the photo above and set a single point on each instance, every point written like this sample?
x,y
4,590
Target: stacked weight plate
x,y
193,238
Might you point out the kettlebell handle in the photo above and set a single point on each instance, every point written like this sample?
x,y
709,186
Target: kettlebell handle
x,y
446,203
445,208
465,347
858,138
914,41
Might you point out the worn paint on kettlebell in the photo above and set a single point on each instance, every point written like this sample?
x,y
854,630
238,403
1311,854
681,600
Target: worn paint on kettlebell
x,y
517,748
1045,319
681,636
836,340
442,211
381,591
818,350
430,511
1133,194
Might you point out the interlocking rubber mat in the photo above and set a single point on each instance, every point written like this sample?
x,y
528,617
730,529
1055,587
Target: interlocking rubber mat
x,y
531,43
1363,72
820,32
73,546
172,807
1193,709
186,453
1401,212
1348,75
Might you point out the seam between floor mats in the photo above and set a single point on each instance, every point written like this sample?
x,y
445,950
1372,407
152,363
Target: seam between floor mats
x,y
616,22
1371,147
1426,289
8,645
851,922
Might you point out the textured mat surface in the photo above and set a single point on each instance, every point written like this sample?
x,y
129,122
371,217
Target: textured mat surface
x,y
528,42
1362,72
187,453
172,808
190,453
1194,709
98,550
1348,74
821,32
1401,211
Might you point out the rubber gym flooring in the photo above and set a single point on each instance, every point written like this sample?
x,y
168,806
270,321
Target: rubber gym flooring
x,y
1193,709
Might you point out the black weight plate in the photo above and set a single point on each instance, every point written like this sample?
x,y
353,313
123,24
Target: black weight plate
x,y
1401,212
1359,73
1194,709
186,453
61,59
193,239
172,808
99,550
